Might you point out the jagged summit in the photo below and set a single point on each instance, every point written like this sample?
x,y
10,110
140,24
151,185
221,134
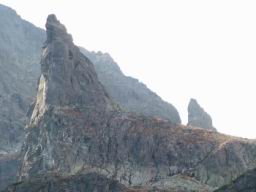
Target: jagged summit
x,y
68,77
197,116
55,30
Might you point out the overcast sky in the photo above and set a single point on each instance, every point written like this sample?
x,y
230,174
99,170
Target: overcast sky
x,y
180,49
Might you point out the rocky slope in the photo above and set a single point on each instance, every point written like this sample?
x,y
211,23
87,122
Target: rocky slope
x,y
128,92
82,130
20,44
244,183
197,117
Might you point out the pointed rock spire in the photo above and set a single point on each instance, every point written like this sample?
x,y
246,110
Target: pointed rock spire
x,y
55,30
197,117
68,77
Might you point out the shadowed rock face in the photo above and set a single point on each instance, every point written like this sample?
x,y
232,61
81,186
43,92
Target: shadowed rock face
x,y
68,78
244,183
68,135
197,117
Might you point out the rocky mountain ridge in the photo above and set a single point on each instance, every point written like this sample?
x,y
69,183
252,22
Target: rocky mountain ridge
x,y
82,134
20,50
128,92
69,137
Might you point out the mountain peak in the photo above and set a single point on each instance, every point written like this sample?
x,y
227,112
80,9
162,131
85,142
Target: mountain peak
x,y
68,78
197,116
55,30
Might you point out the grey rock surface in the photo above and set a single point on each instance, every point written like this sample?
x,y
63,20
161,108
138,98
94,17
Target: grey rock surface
x,y
79,183
9,167
68,77
244,183
20,45
197,117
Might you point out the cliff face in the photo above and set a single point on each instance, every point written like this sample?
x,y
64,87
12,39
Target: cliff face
x,y
68,78
9,165
20,44
78,183
197,117
76,128
128,92
244,183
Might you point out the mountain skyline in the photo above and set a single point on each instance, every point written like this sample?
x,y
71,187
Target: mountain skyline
x,y
91,128
214,57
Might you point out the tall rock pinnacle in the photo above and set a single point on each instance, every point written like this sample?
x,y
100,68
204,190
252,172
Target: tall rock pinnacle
x,y
67,76
198,117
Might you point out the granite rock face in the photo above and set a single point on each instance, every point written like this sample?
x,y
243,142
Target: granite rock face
x,y
197,117
9,166
76,128
128,92
79,183
244,183
20,45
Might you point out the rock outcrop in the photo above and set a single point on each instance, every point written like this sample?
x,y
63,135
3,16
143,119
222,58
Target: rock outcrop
x,y
197,117
244,183
76,128
68,78
128,92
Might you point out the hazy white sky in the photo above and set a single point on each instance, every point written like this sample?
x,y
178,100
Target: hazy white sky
x,y
179,48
